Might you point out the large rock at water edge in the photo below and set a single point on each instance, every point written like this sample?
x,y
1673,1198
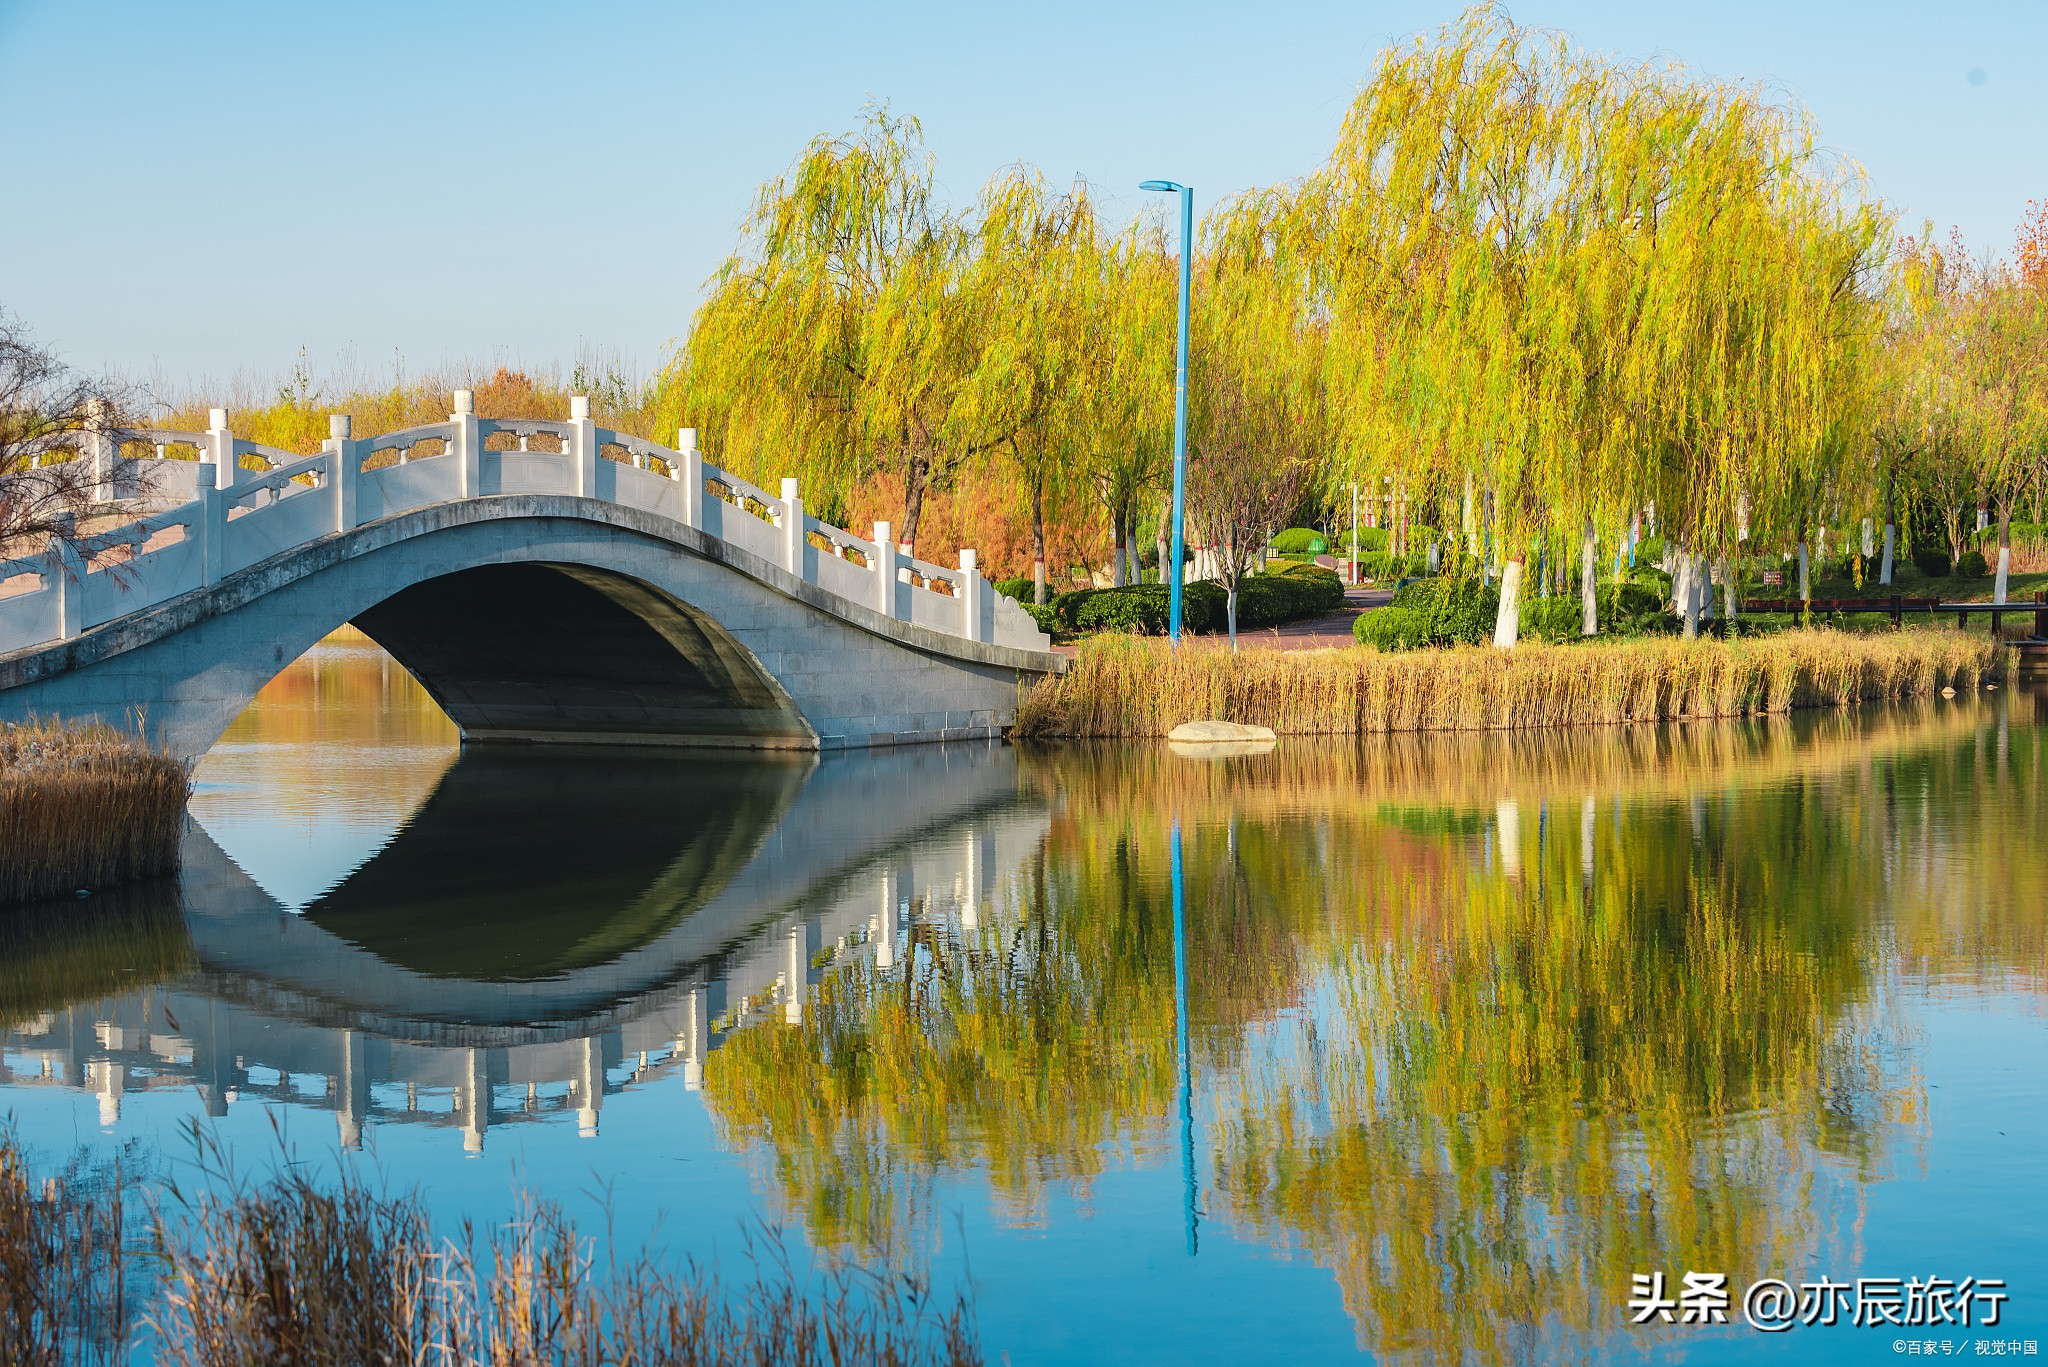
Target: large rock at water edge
x,y
1219,731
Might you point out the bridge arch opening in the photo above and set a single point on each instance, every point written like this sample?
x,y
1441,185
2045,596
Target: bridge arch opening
x,y
547,652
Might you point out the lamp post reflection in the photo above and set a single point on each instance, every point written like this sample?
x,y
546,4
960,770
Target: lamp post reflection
x,y
1180,1011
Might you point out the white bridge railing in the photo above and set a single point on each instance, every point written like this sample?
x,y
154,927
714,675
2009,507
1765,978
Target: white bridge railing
x,y
200,520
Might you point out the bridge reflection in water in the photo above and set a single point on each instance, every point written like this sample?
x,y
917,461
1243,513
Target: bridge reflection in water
x,y
546,929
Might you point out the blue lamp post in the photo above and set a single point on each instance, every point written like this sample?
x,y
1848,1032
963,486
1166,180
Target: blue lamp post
x,y
1180,400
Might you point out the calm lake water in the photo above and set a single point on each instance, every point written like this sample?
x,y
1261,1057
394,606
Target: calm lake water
x,y
1456,1036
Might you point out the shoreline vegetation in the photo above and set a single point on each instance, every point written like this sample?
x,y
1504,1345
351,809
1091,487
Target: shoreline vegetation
x,y
1133,687
97,1261
84,808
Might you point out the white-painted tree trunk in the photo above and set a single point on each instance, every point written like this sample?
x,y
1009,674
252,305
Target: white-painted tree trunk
x,y
1038,582
1507,623
1703,585
1589,595
1885,573
1805,586
1679,566
2004,567
1728,587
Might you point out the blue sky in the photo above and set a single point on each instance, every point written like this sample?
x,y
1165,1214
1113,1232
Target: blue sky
x,y
198,191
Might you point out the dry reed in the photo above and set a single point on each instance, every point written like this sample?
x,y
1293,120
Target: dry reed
x,y
292,1273
1125,686
84,807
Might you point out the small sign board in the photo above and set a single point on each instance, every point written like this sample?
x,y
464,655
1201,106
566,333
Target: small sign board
x,y
1774,578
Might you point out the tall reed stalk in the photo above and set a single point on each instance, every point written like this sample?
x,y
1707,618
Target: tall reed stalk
x,y
296,1273
1128,686
84,807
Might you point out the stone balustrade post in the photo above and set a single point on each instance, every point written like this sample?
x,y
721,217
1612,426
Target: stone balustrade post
x,y
885,570
468,447
885,923
792,528
67,576
102,450
346,467
697,1038
211,524
220,444
798,974
583,455
688,471
969,585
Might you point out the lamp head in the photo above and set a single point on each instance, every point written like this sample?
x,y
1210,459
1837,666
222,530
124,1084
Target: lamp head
x,y
1163,185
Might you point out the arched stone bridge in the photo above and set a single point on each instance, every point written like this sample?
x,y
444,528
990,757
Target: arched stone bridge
x,y
545,581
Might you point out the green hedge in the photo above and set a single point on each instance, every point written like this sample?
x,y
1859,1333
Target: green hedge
x,y
1284,594
1301,541
1436,611
1018,588
1287,594
1449,610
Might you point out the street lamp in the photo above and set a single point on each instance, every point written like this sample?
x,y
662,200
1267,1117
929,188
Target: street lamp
x,y
1180,400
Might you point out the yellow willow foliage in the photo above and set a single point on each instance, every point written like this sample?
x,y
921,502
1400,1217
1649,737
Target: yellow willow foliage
x,y
1037,1047
1622,1001
1662,1038
2002,369
864,330
1532,1083
1122,686
1119,409
1591,284
782,361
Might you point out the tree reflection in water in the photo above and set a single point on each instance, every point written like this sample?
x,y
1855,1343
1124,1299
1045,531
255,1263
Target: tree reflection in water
x,y
1483,1024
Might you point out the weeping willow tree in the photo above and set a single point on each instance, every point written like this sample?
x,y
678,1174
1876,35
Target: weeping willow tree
x,y
1036,263
1916,435
1255,415
2002,367
843,340
1582,286
784,359
1121,401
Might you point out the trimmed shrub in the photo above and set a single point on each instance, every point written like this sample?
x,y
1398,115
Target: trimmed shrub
x,y
1142,609
1301,541
1285,595
1448,609
1392,628
1931,561
1018,588
1324,589
1973,565
1047,617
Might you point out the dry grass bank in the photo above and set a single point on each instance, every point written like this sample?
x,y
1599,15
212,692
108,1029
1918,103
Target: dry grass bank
x,y
1125,686
84,807
99,1265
